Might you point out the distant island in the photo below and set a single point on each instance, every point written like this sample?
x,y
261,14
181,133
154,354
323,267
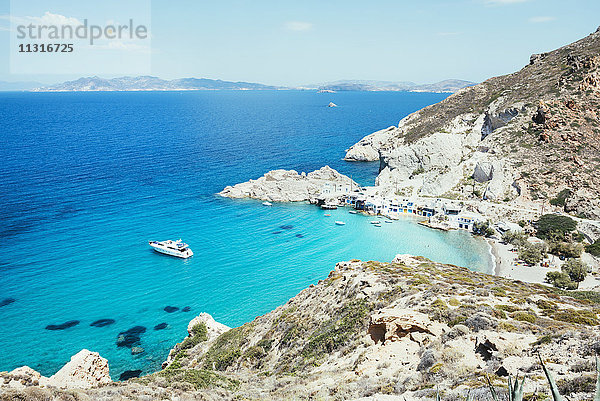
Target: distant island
x,y
446,86
150,83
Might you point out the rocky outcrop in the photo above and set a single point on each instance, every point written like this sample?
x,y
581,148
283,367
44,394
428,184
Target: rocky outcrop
x,y
584,202
291,186
367,149
213,328
211,331
393,324
85,370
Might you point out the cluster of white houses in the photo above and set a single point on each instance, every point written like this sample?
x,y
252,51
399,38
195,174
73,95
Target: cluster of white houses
x,y
367,200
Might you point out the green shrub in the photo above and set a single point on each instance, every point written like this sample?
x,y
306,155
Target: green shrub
x,y
483,228
554,226
227,348
523,316
198,378
561,280
566,249
515,238
576,269
507,308
531,254
594,248
578,316
337,332
561,198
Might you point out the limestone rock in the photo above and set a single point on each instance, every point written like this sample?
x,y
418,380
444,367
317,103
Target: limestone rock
x,y
388,325
584,202
483,172
290,186
213,328
23,377
86,369
367,149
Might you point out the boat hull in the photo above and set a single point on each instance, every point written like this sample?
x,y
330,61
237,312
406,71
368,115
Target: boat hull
x,y
172,252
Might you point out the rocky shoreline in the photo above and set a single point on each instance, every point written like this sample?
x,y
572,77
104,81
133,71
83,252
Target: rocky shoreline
x,y
397,329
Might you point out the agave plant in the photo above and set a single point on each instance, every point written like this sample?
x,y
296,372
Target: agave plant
x,y
553,387
515,393
597,395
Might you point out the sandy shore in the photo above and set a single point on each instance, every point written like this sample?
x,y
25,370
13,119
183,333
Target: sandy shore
x,y
506,265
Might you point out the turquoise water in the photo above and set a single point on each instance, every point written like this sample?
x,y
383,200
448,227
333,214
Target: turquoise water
x,y
88,178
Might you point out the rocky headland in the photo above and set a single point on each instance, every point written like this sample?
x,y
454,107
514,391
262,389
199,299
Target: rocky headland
x,y
291,186
401,330
528,136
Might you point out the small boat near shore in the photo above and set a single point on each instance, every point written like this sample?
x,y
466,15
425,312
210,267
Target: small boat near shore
x,y
329,206
267,204
353,212
340,223
375,222
177,248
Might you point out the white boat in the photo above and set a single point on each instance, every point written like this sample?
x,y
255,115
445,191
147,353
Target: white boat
x,y
389,221
353,212
340,223
375,222
267,204
329,206
173,248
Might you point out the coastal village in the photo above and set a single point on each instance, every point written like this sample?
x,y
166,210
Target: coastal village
x,y
328,189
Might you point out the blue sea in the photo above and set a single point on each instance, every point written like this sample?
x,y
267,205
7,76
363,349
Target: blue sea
x,y
86,179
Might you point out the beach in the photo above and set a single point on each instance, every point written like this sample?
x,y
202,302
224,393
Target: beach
x,y
506,265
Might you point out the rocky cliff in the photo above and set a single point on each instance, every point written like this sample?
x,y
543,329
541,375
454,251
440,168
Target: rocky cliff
x,y
400,329
526,136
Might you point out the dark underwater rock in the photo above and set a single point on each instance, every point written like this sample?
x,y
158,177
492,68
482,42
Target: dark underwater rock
x,y
286,227
187,309
276,232
161,326
171,309
130,337
62,326
102,322
299,236
129,374
7,301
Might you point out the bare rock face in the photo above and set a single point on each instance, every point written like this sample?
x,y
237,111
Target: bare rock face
x,y
85,370
291,186
483,172
213,328
584,202
367,150
393,324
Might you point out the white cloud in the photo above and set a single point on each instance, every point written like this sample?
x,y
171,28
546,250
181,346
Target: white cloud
x,y
55,19
298,26
124,46
47,19
540,19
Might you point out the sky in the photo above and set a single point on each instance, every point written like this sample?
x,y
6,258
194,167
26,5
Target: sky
x,y
307,42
